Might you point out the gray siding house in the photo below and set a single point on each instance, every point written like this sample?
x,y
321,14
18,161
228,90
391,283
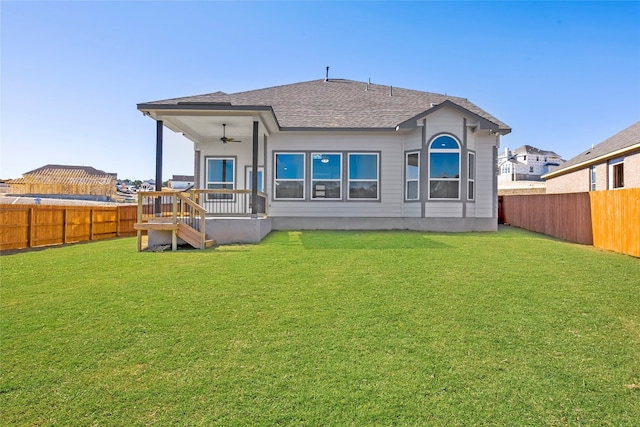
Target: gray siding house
x,y
342,154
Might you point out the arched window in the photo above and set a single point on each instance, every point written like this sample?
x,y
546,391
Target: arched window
x,y
444,168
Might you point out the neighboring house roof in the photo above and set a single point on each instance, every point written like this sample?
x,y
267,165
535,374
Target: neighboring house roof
x,y
183,178
332,104
61,174
86,169
617,145
529,150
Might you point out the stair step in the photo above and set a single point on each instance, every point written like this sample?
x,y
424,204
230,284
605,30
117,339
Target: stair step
x,y
209,243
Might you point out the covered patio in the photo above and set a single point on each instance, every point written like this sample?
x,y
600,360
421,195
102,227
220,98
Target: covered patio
x,y
228,203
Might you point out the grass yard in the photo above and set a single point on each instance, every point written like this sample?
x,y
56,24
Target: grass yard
x,y
323,329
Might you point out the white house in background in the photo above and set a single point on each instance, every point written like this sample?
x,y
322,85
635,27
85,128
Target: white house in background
x,y
149,185
526,163
342,154
614,163
181,182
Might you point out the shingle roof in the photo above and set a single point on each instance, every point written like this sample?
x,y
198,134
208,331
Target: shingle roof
x,y
88,170
337,103
66,175
626,138
528,149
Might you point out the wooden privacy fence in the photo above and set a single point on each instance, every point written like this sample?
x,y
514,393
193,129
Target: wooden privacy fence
x,y
605,219
26,226
566,216
616,220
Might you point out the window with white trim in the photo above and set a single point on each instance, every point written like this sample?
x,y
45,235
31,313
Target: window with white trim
x,y
412,176
363,176
326,175
593,178
617,173
289,176
444,168
471,176
220,176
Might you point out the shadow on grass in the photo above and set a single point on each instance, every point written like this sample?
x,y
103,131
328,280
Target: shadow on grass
x,y
358,240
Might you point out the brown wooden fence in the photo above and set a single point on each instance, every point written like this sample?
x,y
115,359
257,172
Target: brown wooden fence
x,y
605,219
616,220
26,226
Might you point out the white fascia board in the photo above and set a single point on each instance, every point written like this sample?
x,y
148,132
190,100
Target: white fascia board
x,y
599,159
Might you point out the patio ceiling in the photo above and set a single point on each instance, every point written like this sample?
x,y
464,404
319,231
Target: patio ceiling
x,y
206,126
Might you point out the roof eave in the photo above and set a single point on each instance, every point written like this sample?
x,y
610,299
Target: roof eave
x,y
582,165
484,123
156,110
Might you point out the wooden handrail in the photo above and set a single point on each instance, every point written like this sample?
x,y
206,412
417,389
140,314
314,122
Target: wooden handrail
x,y
178,213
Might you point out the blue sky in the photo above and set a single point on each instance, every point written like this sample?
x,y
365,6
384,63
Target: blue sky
x,y
563,75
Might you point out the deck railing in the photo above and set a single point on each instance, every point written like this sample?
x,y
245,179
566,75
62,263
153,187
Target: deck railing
x,y
229,202
176,206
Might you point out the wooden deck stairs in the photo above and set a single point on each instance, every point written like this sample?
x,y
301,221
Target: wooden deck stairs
x,y
182,230
173,212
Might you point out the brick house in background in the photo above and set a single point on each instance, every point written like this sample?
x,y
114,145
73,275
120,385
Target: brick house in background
x,y
613,163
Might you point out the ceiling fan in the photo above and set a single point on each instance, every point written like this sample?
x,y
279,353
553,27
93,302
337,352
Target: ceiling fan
x,y
224,138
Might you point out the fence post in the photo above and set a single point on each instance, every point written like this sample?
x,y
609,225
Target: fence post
x,y
118,221
91,224
30,228
64,226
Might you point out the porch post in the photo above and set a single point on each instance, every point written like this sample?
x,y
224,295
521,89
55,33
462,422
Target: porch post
x,y
254,175
159,126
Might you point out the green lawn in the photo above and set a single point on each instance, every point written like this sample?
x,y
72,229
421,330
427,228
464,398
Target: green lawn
x,y
323,329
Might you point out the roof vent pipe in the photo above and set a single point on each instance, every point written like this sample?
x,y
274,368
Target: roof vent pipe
x,y
326,76
367,89
391,91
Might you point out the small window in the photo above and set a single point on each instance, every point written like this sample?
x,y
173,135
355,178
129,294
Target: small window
x,y
363,176
326,176
412,176
220,176
618,175
289,176
444,168
472,176
593,178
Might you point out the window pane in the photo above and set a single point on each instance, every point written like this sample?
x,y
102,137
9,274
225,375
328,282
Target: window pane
x,y
326,166
220,170
470,190
289,190
219,187
412,166
444,142
444,189
260,182
412,190
363,190
289,166
363,166
618,175
326,189
444,165
472,166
